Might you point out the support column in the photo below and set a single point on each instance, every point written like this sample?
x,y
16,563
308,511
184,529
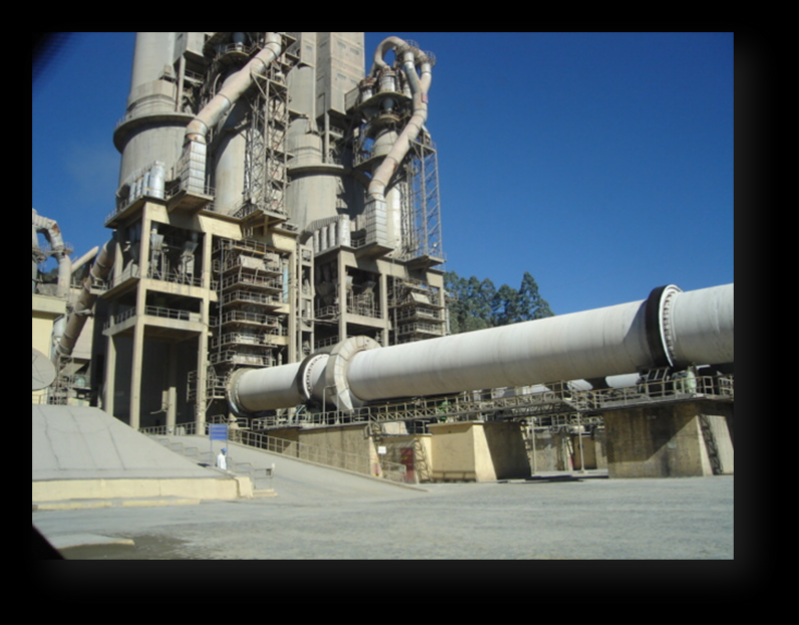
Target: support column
x,y
172,388
384,314
136,363
202,338
111,345
202,381
295,301
478,451
110,372
668,441
342,296
137,360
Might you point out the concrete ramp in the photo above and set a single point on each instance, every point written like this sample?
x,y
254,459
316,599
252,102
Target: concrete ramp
x,y
81,453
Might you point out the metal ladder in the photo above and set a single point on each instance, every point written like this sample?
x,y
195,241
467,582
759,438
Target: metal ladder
x,y
710,445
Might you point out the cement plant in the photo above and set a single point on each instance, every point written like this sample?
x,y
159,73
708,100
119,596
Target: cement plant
x,y
273,280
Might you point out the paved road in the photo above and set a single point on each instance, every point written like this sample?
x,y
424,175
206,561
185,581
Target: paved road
x,y
321,514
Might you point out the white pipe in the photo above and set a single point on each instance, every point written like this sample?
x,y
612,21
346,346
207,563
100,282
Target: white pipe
x,y
49,228
599,342
701,321
235,86
85,258
80,312
194,146
419,89
253,390
690,328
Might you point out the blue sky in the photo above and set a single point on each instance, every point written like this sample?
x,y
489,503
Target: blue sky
x,y
602,163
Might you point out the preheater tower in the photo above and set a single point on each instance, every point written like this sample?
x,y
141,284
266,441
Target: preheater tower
x,y
246,227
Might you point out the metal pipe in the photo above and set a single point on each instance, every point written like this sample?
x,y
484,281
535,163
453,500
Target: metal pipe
x,y
380,228
83,306
419,89
253,390
194,146
85,258
685,328
198,128
49,228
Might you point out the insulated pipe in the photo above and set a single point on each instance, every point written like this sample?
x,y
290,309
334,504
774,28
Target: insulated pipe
x,y
419,89
80,312
194,144
253,390
49,228
700,321
230,153
198,128
85,258
684,328
384,46
36,256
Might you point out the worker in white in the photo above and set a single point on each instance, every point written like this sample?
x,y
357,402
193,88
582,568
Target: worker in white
x,y
221,459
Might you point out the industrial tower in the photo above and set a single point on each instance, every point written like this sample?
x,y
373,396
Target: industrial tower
x,y
273,201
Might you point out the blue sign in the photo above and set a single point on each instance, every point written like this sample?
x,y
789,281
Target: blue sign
x,y
218,431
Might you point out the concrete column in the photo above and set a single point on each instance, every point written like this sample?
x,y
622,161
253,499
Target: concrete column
x,y
202,338
384,314
110,371
172,388
202,381
342,296
136,364
478,451
137,360
667,441
295,288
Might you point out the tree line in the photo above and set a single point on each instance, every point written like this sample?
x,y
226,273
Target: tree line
x,y
474,304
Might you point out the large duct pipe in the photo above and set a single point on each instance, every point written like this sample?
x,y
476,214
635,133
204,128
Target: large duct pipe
x,y
419,88
235,86
77,264
380,227
669,328
49,228
83,306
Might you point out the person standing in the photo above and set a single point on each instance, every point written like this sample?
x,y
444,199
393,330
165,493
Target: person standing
x,y
221,459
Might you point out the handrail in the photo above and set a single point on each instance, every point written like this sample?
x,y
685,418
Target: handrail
x,y
420,326
364,310
175,277
552,399
156,311
318,454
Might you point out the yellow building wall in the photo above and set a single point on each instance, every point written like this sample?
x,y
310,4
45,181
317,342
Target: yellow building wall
x,y
44,309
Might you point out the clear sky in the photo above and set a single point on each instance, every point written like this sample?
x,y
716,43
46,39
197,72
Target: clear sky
x,y
602,163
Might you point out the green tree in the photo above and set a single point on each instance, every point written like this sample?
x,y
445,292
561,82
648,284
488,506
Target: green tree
x,y
469,302
506,306
455,288
473,304
531,304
